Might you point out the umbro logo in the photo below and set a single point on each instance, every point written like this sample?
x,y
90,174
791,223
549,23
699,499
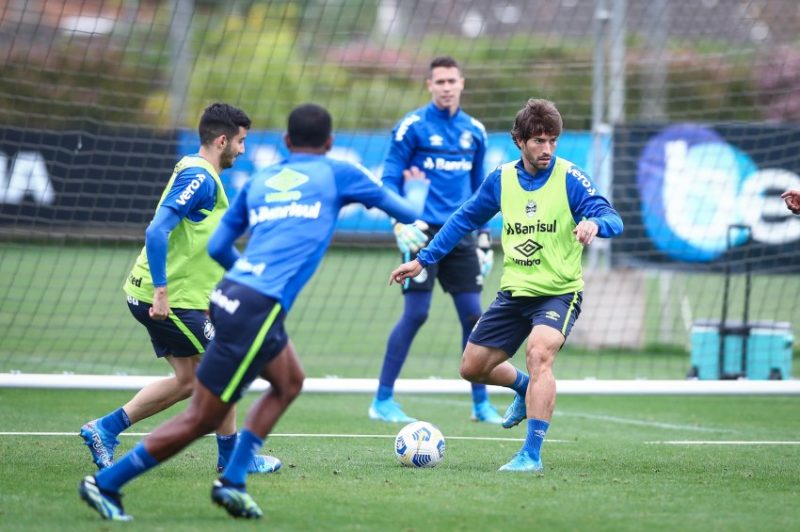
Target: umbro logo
x,y
528,248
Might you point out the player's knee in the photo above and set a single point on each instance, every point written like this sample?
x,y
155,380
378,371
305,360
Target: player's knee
x,y
288,389
415,317
467,372
185,388
184,378
201,422
295,384
472,371
540,366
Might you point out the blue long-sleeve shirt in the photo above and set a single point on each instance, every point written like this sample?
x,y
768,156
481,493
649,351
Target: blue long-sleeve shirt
x,y
290,210
585,202
183,200
449,149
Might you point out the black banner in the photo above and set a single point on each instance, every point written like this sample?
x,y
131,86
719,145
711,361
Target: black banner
x,y
103,179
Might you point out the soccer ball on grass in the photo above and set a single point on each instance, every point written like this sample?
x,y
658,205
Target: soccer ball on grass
x,y
419,444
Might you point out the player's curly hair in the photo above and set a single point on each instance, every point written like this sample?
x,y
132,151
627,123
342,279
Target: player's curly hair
x,y
536,118
221,119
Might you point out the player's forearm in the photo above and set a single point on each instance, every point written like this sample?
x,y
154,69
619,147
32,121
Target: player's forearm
x,y
609,224
156,242
399,208
446,239
597,209
392,182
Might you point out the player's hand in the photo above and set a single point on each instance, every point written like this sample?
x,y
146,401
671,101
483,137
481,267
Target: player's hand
x,y
792,199
585,232
405,271
159,310
413,174
485,253
410,237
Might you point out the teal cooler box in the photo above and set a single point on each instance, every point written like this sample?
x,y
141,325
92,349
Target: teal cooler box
x,y
768,345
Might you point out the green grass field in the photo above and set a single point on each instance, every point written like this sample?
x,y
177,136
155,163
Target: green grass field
x,y
62,310
608,466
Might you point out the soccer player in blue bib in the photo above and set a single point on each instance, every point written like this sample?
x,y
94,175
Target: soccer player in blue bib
x,y
551,210
289,210
445,145
169,285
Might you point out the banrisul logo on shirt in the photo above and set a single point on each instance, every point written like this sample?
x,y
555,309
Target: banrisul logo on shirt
x,y
285,182
440,163
694,186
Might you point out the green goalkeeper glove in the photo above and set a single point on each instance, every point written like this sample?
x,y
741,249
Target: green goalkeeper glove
x,y
410,237
485,253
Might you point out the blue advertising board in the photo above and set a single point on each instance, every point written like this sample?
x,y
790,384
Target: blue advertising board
x,y
707,196
369,149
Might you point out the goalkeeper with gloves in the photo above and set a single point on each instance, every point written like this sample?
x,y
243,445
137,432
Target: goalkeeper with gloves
x,y
446,146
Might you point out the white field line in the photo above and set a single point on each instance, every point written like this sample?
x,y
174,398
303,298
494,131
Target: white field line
x,y
560,413
723,442
641,423
466,438
292,435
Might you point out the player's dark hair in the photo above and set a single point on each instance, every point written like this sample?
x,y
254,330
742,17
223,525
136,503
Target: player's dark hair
x,y
221,119
309,126
443,61
536,118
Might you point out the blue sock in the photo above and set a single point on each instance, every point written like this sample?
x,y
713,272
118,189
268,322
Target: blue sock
x,y
384,392
479,393
415,312
130,466
225,447
115,422
537,429
247,446
521,384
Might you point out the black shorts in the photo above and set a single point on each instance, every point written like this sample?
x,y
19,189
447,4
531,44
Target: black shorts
x,y
185,333
250,334
508,320
459,270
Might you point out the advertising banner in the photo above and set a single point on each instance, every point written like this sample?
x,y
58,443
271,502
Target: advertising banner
x,y
703,197
109,180
79,178
370,149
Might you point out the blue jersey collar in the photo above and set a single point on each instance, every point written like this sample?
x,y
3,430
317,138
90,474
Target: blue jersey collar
x,y
302,156
539,175
442,114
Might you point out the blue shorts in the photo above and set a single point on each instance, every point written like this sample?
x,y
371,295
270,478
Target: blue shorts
x,y
508,320
185,333
250,334
458,271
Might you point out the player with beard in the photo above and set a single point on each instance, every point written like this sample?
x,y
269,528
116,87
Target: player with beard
x,y
551,211
170,283
289,211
